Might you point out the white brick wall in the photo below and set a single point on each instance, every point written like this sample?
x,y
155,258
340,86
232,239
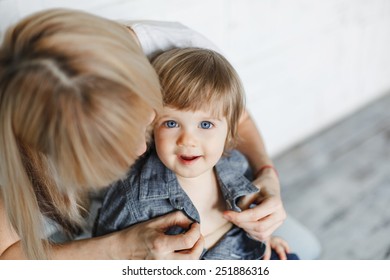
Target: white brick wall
x,y
304,63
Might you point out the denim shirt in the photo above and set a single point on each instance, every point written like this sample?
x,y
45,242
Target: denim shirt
x,y
152,190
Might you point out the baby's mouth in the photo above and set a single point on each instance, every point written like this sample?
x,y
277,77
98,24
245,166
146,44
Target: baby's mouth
x,y
188,159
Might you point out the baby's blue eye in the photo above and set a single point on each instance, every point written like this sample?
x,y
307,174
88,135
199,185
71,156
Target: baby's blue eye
x,y
206,125
170,124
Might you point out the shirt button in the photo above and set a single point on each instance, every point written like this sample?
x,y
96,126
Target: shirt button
x,y
177,203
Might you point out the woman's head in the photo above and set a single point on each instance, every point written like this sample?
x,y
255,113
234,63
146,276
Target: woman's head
x,y
76,92
77,89
199,79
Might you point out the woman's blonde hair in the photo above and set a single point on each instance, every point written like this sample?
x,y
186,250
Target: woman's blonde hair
x,y
75,90
194,78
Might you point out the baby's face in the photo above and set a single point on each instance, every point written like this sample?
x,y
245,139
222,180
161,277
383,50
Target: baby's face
x,y
189,142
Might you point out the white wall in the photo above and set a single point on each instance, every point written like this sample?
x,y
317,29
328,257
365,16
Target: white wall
x,y
304,63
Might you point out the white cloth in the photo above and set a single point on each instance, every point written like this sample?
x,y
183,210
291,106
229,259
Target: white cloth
x,y
300,239
156,36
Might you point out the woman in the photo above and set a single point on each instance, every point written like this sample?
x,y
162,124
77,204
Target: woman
x,y
76,97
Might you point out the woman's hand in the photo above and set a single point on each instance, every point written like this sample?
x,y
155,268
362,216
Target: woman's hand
x,y
279,245
268,214
147,240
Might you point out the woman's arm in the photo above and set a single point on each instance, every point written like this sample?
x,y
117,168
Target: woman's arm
x,y
146,240
142,241
7,234
261,221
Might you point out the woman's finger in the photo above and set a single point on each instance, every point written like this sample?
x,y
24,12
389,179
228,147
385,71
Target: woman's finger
x,y
249,215
267,252
161,243
191,254
260,234
176,218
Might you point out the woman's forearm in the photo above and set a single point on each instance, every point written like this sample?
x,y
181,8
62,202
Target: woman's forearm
x,y
251,143
268,214
97,248
8,236
86,249
145,240
106,247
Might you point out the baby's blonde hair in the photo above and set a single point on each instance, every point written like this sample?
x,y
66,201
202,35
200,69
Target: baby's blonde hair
x,y
75,90
194,78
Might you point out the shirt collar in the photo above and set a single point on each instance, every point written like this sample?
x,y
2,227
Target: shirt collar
x,y
232,182
159,182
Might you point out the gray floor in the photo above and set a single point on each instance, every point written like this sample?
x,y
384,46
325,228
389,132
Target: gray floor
x,y
337,183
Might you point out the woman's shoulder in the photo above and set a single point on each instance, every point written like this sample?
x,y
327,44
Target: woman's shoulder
x,y
159,36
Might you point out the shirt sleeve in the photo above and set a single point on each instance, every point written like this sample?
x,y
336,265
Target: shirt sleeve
x,y
159,36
